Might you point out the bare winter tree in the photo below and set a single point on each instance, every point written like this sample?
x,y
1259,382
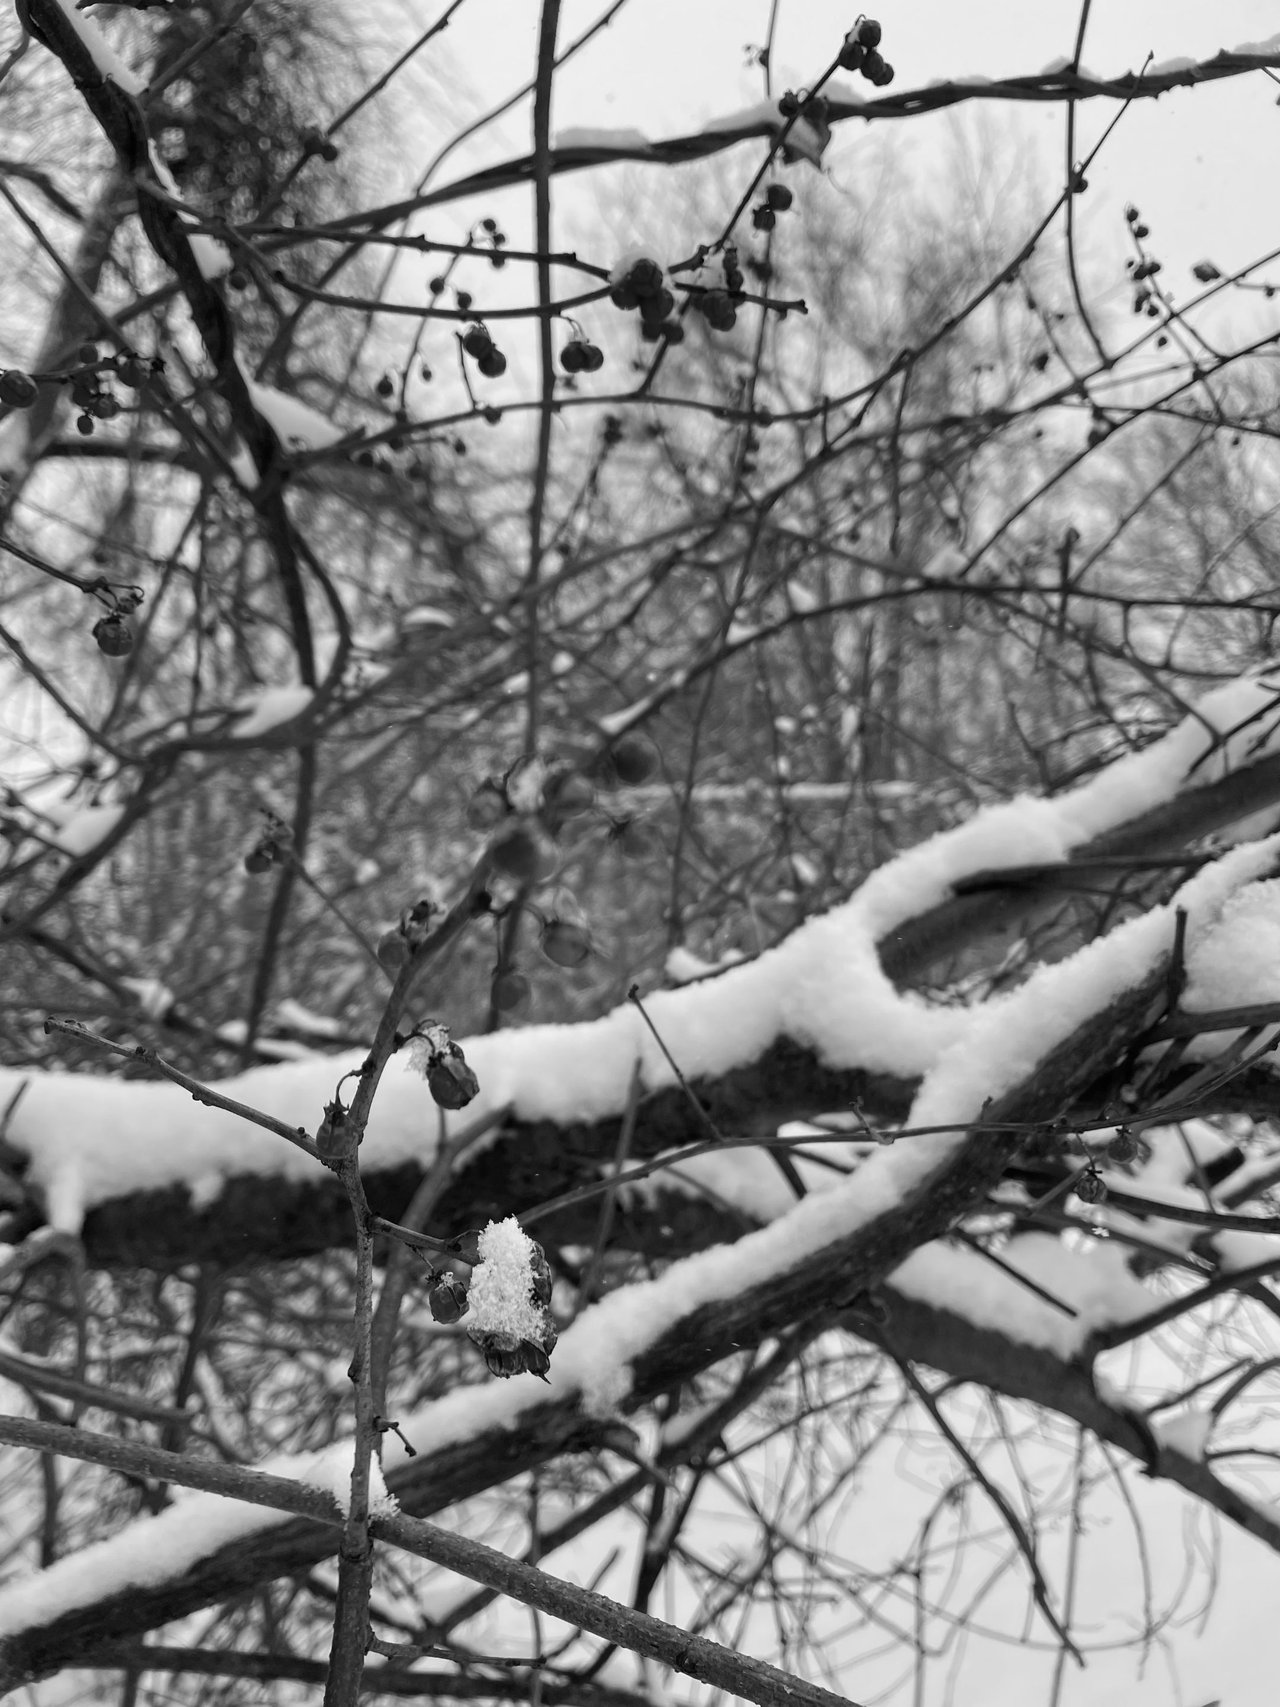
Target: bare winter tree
x,y
638,885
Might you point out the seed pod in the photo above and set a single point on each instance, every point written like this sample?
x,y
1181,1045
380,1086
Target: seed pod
x,y
113,635
645,277
446,1296
451,1082
392,951
335,1136
510,990
520,855
1090,1188
540,1269
565,944
633,760
18,389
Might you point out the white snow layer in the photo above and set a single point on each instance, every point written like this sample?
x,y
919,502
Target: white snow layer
x,y
92,1138
265,708
593,1361
296,424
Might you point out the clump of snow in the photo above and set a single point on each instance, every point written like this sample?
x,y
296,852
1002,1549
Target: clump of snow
x,y
152,995
1238,962
295,1017
585,136
83,827
947,562
296,424
500,1292
331,1470
266,708
104,56
1188,1432
762,114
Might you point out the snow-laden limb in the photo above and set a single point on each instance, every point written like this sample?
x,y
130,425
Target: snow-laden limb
x,y
93,1139
1019,1059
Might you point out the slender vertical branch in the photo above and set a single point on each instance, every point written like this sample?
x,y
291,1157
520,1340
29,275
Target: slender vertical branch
x,y
546,356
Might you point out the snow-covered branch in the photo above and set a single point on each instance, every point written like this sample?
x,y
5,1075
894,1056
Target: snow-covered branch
x,y
1011,1067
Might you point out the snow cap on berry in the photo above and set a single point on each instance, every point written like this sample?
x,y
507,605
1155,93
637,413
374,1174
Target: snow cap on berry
x,y
501,1293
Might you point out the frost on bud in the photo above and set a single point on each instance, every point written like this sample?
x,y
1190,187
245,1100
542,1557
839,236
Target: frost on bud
x,y
446,1296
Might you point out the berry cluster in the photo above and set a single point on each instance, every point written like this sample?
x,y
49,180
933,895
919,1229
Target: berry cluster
x,y
1144,298
581,356
719,308
496,240
271,848
314,141
479,345
860,51
506,1351
111,632
641,286
777,199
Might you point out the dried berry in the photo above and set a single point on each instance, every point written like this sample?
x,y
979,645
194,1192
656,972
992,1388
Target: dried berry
x,y
764,218
451,1082
392,951
868,32
645,278
446,1297
493,364
565,944
487,807
851,53
633,759
335,1136
510,991
386,386
476,341
520,855
132,371
113,634
87,353
258,860
572,356
18,389
779,197
656,308
1090,1188
566,794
